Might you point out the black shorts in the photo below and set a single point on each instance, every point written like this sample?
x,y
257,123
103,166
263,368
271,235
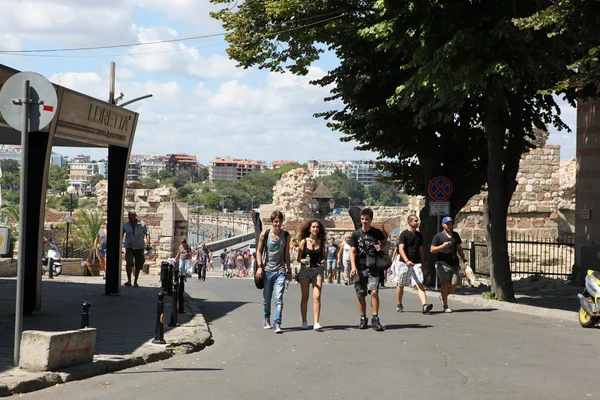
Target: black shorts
x,y
135,257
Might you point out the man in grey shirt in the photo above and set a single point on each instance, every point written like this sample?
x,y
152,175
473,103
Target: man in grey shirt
x,y
136,236
273,259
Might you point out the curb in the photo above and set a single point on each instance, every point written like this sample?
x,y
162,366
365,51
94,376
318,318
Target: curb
x,y
197,337
478,300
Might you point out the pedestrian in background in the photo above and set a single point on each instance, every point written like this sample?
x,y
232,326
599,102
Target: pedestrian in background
x,y
311,256
223,265
447,245
202,259
184,255
137,237
410,257
100,245
273,265
366,241
332,249
343,257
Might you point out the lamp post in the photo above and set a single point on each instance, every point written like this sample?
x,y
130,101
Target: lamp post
x,y
331,205
70,191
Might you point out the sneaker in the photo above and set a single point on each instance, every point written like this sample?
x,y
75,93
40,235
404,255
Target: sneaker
x,y
317,327
304,325
266,324
400,308
277,328
135,284
376,325
427,308
127,283
363,323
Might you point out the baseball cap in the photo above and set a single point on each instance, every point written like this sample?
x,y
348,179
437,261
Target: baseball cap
x,y
445,220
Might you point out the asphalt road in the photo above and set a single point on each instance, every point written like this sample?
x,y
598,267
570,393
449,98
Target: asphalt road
x,y
473,353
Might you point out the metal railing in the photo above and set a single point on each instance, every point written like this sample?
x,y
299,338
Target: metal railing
x,y
528,255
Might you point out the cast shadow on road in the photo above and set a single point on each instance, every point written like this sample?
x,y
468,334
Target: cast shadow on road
x,y
463,310
126,372
213,310
355,327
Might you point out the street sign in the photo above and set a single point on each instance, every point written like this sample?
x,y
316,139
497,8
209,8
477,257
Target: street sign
x,y
439,208
42,98
4,240
440,188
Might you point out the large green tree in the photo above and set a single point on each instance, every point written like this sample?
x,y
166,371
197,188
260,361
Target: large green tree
x,y
280,35
442,88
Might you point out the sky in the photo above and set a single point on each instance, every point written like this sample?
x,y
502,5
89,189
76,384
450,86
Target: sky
x,y
202,103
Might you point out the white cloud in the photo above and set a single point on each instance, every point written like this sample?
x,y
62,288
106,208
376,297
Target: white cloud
x,y
64,22
271,121
178,58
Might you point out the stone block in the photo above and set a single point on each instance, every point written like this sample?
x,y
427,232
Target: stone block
x,y
49,351
73,266
7,268
528,188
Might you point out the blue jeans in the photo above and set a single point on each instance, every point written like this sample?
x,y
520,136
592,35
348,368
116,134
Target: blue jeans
x,y
274,284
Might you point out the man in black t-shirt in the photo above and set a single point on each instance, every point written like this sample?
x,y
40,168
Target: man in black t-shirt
x,y
411,257
447,246
366,240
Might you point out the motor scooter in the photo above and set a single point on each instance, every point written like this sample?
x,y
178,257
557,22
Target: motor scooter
x,y
53,254
589,308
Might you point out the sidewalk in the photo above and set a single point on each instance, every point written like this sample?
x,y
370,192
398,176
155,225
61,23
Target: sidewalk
x,y
539,297
125,328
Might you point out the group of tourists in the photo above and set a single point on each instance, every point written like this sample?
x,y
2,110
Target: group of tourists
x,y
319,259
235,263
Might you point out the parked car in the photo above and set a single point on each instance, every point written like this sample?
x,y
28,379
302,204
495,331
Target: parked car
x,y
252,247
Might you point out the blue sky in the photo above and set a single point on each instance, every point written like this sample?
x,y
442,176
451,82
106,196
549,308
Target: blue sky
x,y
202,103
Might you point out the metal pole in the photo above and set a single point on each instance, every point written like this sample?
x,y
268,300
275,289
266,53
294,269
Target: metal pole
x,y
437,229
111,92
22,219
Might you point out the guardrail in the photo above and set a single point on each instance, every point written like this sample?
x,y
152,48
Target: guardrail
x,y
225,243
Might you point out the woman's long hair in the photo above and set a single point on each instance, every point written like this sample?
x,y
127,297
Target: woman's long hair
x,y
305,230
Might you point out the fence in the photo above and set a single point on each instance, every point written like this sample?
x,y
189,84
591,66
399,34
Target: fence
x,y
528,255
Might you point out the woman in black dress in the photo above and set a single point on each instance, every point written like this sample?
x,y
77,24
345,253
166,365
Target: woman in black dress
x,y
311,256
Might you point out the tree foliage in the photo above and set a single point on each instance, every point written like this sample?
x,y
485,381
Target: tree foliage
x,y
58,178
450,87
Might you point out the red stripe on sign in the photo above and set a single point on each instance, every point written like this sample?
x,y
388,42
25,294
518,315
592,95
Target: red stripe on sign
x,y
48,108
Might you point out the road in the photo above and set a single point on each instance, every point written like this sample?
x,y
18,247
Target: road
x,y
473,353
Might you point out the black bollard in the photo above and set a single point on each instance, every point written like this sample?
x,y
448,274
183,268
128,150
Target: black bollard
x,y
159,332
85,314
50,268
170,281
174,308
181,294
338,270
176,275
164,274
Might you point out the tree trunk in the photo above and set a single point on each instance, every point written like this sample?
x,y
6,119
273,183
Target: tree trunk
x,y
496,206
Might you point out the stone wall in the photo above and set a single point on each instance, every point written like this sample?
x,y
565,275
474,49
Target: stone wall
x,y
534,207
292,193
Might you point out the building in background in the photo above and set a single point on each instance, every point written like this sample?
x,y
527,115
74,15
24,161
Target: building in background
x,y
280,163
229,169
322,169
133,171
152,166
10,153
181,162
363,171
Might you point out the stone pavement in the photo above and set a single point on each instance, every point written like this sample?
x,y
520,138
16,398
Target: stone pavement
x,y
125,328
